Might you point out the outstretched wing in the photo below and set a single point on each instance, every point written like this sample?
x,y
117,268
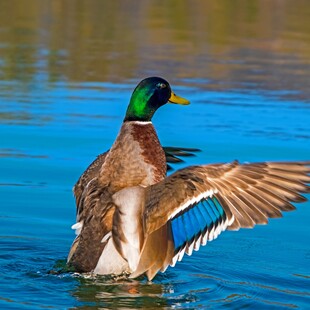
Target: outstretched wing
x,y
194,205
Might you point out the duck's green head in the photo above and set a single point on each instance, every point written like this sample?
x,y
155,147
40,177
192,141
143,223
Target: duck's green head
x,y
150,94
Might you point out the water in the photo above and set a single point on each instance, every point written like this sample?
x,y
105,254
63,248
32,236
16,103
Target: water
x,y
67,70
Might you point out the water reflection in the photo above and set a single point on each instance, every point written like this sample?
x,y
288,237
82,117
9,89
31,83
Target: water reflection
x,y
228,44
211,289
123,293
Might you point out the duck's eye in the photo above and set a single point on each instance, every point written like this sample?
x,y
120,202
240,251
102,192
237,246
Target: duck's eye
x,y
161,85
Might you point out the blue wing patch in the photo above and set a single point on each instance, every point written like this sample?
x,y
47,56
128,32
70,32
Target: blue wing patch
x,y
196,221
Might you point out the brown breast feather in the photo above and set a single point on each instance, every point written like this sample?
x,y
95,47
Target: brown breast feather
x,y
152,151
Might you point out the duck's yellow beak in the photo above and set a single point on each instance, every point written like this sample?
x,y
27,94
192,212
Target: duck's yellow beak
x,y
178,100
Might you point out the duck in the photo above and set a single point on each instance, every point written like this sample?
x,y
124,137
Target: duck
x,y
133,219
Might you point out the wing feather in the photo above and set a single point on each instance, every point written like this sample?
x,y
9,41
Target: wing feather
x,y
200,202
91,172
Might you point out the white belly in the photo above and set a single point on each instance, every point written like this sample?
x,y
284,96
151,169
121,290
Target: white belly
x,y
110,261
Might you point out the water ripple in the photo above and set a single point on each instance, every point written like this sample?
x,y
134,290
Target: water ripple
x,y
14,153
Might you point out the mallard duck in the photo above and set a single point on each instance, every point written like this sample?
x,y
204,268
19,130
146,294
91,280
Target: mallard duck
x,y
134,219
